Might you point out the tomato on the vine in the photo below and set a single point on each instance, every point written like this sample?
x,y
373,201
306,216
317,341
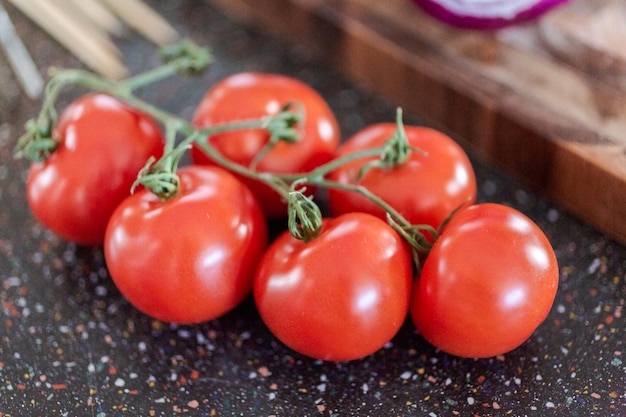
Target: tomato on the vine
x,y
425,189
340,296
247,96
487,284
103,143
192,257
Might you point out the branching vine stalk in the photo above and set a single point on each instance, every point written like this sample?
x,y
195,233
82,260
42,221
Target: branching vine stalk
x,y
159,176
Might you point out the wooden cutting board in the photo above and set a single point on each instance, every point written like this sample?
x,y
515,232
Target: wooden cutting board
x,y
545,101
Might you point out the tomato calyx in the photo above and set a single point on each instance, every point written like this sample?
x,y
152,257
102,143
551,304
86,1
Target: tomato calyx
x,y
187,57
304,216
159,176
282,127
396,150
37,143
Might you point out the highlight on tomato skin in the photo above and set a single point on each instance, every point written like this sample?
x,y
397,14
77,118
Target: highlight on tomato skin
x,y
487,284
253,95
341,296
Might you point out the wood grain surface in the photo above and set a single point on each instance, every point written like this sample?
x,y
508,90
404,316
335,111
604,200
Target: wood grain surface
x,y
545,101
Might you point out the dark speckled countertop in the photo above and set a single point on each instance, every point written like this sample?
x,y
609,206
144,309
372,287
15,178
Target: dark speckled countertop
x,y
70,345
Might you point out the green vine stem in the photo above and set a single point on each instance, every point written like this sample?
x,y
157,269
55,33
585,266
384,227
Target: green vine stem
x,y
413,234
159,176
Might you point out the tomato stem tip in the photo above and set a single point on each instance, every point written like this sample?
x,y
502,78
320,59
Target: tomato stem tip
x,y
396,151
304,216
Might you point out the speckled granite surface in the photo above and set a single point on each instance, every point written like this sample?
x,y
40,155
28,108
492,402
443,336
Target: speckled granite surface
x,y
70,345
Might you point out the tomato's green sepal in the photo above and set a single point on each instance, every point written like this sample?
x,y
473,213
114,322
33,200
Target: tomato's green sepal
x,y
396,150
189,58
304,217
37,143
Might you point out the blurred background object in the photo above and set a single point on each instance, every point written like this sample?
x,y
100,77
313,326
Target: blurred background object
x,y
18,57
598,50
87,29
487,14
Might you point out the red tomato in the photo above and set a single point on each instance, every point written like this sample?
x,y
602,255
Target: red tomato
x,y
342,295
103,145
253,95
425,190
487,284
191,258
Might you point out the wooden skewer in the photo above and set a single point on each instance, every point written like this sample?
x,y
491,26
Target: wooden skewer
x,y
93,50
19,58
144,20
68,12
83,27
100,15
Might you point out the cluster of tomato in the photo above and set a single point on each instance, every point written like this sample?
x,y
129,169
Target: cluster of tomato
x,y
487,282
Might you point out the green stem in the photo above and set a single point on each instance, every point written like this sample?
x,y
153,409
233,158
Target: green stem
x,y
276,182
413,234
149,77
183,57
359,189
327,168
160,176
317,177
304,217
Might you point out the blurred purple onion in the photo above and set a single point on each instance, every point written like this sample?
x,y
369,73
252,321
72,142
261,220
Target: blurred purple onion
x,y
486,14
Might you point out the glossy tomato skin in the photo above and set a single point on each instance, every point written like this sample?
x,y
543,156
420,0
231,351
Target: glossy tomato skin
x,y
487,284
342,295
425,190
191,258
103,145
245,96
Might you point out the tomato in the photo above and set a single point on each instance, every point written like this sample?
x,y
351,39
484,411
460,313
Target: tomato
x,y
487,284
246,96
340,296
190,258
425,189
103,145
